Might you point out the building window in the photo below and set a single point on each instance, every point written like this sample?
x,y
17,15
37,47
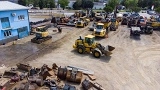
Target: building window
x,y
5,22
22,29
21,17
7,33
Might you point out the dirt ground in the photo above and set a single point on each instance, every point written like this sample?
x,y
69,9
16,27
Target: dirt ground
x,y
134,64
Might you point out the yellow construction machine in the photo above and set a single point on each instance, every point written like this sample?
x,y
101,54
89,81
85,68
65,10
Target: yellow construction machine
x,y
106,22
99,31
89,45
85,19
82,22
154,22
78,14
114,24
42,35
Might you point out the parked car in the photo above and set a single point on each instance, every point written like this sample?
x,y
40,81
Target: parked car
x,y
134,15
151,12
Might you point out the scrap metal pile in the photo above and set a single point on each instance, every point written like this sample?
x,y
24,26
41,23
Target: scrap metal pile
x,y
26,77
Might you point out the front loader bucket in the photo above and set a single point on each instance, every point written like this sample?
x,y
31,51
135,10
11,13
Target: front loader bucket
x,y
111,48
108,53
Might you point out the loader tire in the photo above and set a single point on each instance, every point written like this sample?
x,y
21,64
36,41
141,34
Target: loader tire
x,y
80,49
96,54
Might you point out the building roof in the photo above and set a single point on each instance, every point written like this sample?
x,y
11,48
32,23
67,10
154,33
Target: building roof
x,y
6,5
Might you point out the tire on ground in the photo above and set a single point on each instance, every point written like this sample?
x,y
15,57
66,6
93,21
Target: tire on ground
x,y
81,49
96,54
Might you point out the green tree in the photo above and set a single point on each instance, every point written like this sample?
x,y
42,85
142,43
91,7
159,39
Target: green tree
x,y
35,3
79,3
41,4
51,4
63,3
157,9
142,3
95,0
88,4
130,3
148,3
22,2
108,9
76,6
113,3
136,9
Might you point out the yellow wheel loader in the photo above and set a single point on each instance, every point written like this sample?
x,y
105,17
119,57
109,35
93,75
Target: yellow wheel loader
x,y
89,45
99,31
41,35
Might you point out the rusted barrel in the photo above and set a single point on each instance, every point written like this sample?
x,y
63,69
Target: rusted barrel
x,y
39,82
62,72
74,78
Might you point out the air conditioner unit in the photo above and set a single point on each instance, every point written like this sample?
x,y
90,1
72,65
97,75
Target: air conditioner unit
x,y
13,14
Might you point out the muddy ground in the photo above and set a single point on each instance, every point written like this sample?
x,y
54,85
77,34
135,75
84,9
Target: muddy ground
x,y
134,64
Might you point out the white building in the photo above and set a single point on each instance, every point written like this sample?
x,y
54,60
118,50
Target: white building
x,y
71,2
97,5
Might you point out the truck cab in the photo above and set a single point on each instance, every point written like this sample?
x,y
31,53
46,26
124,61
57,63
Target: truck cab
x,y
100,31
82,22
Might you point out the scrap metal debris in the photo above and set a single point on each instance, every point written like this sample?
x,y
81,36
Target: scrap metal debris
x,y
54,78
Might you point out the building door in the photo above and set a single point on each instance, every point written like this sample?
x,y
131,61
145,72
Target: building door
x,y
5,22
22,32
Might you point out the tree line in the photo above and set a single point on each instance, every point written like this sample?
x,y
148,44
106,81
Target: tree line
x,y
133,5
43,3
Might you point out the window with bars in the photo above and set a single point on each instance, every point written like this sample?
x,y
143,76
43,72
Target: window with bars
x,y
7,33
22,29
21,17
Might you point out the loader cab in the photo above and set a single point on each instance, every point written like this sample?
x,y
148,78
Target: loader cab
x,y
89,40
42,32
81,19
113,20
100,26
41,29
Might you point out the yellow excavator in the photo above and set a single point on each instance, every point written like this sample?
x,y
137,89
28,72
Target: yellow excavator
x,y
89,45
42,35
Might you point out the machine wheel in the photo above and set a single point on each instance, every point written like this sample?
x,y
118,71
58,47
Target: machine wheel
x,y
96,54
80,49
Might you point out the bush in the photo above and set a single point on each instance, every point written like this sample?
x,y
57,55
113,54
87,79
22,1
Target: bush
x,y
157,10
108,9
136,9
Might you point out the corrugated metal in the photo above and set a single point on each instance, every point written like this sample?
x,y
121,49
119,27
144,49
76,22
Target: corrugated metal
x,y
6,5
